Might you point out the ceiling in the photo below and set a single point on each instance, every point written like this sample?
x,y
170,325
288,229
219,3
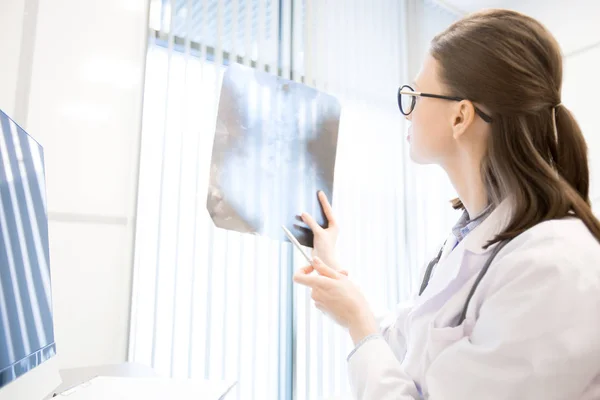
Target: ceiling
x,y
574,23
467,6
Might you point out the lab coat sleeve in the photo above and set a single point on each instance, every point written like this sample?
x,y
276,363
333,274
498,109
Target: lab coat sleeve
x,y
378,358
392,329
535,338
376,374
392,325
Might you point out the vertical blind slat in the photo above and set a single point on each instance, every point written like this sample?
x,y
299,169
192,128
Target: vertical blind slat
x,y
207,258
160,203
182,116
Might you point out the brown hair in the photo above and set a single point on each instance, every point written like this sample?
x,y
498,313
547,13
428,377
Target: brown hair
x,y
512,65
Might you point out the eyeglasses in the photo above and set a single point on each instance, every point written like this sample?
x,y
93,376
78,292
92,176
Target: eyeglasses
x,y
407,98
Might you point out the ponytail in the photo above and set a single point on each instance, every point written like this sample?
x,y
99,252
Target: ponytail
x,y
573,168
572,160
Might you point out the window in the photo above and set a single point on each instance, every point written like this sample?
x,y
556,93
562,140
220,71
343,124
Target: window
x,y
221,305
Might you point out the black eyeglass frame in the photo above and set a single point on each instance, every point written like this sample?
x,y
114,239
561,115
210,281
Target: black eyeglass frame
x,y
411,92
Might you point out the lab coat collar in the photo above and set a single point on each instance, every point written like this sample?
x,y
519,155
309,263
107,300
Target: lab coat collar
x,y
451,270
495,223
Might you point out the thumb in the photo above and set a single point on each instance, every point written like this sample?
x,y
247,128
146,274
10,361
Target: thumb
x,y
323,269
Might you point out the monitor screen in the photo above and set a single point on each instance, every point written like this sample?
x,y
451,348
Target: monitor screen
x,y
26,327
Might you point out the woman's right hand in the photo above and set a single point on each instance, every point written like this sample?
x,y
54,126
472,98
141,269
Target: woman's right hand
x,y
324,239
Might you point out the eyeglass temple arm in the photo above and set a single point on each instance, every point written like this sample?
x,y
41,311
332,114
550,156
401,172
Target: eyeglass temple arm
x,y
483,115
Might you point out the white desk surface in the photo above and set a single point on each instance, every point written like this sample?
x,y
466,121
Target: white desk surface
x,y
75,376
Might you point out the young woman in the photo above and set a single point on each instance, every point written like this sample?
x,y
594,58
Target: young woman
x,y
510,308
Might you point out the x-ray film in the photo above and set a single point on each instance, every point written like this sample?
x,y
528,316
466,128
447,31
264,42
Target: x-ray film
x,y
274,149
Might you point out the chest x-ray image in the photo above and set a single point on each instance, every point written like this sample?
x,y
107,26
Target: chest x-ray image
x,y
274,149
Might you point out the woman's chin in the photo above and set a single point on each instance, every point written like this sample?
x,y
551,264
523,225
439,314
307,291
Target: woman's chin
x,y
417,158
414,156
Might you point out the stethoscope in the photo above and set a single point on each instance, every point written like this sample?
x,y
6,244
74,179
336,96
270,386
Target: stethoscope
x,y
480,276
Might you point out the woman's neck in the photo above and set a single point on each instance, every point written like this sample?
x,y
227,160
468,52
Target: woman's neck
x,y
465,176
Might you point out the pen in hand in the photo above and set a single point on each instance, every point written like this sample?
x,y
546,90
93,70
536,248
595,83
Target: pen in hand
x,y
296,244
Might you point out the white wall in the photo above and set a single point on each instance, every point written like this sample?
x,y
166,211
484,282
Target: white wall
x,y
580,94
11,21
84,106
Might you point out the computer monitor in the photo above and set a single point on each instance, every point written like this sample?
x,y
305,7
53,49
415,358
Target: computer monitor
x,y
28,367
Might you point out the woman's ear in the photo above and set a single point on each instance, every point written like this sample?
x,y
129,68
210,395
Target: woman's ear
x,y
462,118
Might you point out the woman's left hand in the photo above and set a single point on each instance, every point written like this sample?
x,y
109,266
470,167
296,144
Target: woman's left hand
x,y
338,297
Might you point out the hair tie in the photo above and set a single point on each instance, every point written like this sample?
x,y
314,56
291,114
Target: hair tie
x,y
554,122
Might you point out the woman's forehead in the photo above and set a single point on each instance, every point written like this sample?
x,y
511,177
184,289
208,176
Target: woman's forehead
x,y
428,78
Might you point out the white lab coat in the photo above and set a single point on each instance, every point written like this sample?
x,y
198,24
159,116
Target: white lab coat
x,y
532,329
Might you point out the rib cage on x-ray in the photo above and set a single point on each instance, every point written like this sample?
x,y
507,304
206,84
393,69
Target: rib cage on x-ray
x,y
274,149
